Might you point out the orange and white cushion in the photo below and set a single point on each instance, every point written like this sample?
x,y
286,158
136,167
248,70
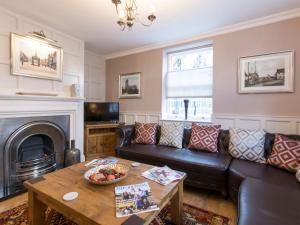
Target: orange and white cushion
x,y
204,137
285,153
145,133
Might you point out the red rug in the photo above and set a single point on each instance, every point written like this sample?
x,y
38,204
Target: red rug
x,y
192,216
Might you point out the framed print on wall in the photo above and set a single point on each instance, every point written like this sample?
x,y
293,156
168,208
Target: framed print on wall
x,y
267,73
130,85
35,57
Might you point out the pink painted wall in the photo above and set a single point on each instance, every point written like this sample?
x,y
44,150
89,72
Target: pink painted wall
x,y
227,48
150,64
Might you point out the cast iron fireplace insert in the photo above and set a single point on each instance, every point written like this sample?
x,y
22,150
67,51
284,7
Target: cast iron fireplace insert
x,y
30,147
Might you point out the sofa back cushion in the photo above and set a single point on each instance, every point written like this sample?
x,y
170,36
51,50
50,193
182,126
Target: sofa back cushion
x,y
171,134
285,153
247,144
145,133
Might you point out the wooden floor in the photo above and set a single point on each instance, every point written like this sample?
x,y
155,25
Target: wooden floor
x,y
13,202
209,201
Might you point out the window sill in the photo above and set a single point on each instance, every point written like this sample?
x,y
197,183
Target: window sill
x,y
188,120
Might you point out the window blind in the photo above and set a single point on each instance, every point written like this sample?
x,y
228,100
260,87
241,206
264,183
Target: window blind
x,y
190,83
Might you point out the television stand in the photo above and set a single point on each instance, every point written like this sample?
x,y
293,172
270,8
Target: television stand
x,y
100,139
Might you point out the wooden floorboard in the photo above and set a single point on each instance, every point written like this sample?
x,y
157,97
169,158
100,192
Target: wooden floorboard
x,y
13,202
206,200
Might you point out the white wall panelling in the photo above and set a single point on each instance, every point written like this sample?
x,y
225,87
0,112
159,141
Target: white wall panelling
x,y
12,105
132,117
94,77
273,124
73,57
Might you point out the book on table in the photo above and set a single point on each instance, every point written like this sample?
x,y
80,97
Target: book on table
x,y
134,199
163,175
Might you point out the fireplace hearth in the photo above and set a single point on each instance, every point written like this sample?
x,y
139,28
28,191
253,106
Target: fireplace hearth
x,y
30,147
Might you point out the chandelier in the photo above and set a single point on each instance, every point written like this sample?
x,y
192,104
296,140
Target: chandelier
x,y
127,11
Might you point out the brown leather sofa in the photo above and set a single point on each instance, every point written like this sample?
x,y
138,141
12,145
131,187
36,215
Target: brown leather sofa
x,y
265,195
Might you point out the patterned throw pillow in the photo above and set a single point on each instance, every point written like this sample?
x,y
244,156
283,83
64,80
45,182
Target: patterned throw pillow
x,y
171,134
145,133
298,174
204,137
247,144
285,153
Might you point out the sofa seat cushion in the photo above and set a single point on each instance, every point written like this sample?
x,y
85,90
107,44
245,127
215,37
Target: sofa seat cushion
x,y
203,169
241,169
262,203
188,159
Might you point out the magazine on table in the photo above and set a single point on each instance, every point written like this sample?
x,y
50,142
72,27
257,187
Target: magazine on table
x,y
102,162
134,199
163,175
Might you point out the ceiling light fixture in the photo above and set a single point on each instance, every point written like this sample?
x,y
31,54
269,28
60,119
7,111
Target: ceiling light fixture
x,y
127,11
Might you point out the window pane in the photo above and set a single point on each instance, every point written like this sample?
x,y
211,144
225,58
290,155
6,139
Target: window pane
x,y
199,108
191,59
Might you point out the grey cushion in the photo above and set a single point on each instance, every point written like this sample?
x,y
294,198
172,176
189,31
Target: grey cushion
x,y
247,144
171,134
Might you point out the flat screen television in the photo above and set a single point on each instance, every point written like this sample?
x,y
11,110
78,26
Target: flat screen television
x,y
101,112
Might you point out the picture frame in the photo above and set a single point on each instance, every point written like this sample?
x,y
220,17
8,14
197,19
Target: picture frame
x,y
266,73
35,57
130,85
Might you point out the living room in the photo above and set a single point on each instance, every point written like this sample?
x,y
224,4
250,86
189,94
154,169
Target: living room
x,y
193,104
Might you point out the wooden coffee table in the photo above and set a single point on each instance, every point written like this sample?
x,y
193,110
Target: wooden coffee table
x,y
95,204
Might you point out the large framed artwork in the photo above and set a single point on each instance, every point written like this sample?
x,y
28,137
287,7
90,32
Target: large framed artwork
x,y
35,57
267,73
130,85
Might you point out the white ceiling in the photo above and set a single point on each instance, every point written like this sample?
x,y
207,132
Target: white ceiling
x,y
95,20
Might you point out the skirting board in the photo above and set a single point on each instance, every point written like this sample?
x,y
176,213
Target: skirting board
x,y
273,124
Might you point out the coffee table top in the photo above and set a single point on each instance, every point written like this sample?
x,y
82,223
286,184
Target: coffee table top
x,y
97,203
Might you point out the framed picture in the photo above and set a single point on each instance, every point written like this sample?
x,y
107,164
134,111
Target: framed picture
x,y
130,85
35,57
267,73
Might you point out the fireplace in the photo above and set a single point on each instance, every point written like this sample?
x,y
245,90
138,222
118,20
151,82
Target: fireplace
x,y
30,147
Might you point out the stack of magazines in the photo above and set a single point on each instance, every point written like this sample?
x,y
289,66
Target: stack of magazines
x,y
163,175
134,199
102,162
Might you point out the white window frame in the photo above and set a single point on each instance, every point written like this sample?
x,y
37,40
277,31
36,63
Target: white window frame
x,y
164,78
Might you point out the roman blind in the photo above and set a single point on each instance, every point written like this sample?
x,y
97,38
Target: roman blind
x,y
190,73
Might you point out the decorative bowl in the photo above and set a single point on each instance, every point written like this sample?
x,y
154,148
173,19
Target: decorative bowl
x,y
120,168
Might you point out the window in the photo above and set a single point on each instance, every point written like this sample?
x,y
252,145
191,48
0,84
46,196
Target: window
x,y
189,77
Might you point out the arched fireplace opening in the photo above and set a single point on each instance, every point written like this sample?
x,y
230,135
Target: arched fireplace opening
x,y
35,147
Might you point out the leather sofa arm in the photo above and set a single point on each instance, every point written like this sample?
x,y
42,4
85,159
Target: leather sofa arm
x,y
125,135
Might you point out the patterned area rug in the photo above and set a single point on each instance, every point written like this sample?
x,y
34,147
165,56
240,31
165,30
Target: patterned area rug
x,y
192,216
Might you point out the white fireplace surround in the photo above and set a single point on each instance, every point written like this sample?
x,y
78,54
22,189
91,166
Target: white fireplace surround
x,y
32,106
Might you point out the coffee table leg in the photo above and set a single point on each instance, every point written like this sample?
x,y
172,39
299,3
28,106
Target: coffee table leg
x,y
177,204
36,210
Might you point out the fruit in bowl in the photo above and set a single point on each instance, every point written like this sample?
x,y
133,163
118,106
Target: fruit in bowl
x,y
107,174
